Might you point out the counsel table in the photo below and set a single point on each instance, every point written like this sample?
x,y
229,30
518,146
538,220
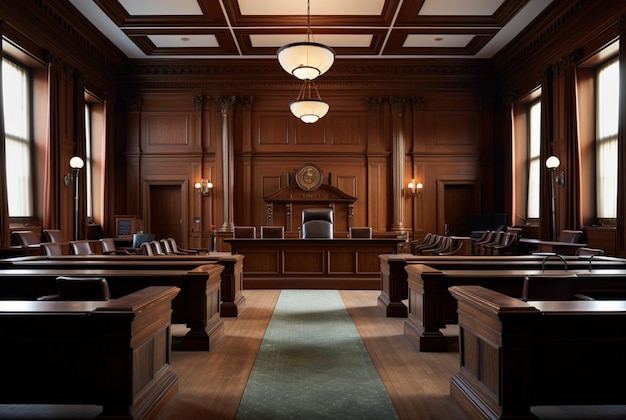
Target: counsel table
x,y
312,263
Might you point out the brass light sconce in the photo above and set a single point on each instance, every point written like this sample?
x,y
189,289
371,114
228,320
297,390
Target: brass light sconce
x,y
204,187
415,188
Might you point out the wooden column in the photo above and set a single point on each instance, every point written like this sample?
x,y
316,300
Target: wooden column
x,y
397,113
228,161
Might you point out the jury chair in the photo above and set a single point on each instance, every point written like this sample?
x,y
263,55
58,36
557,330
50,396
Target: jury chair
x,y
317,223
26,237
570,236
244,232
183,251
109,248
146,249
274,232
584,251
53,235
81,248
80,288
53,249
360,232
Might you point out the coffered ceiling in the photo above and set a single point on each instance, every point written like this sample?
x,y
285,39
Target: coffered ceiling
x,y
353,28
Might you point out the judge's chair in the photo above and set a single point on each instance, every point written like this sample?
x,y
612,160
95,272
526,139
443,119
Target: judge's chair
x,y
80,288
317,223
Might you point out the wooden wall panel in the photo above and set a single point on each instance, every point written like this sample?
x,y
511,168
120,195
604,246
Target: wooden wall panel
x,y
166,129
272,129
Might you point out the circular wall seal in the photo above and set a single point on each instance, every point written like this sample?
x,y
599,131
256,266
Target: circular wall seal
x,y
309,177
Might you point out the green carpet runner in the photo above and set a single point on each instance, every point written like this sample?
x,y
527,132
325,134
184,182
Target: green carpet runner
x,y
312,364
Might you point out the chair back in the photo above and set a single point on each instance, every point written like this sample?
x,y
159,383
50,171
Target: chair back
x,y
81,248
146,249
177,250
325,214
139,238
82,288
570,236
108,245
557,287
26,237
317,223
244,232
53,249
167,246
361,232
54,235
319,229
273,232
585,251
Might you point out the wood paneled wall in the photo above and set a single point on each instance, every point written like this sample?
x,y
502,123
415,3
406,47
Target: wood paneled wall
x,y
446,134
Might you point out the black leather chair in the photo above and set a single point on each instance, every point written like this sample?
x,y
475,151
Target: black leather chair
x,y
80,288
317,223
139,238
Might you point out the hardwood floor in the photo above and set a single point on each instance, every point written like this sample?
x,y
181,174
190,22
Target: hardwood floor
x,y
211,384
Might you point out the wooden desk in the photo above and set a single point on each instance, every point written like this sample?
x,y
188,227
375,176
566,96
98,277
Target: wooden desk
x,y
232,298
312,263
115,354
432,307
515,355
197,304
394,288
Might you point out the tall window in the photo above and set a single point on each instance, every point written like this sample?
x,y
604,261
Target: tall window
x,y
607,107
16,94
534,159
88,165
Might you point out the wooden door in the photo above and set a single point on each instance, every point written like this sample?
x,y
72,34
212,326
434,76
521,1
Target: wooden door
x,y
459,201
166,220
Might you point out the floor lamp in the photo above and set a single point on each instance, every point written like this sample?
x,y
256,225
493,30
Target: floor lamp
x,y
76,163
552,163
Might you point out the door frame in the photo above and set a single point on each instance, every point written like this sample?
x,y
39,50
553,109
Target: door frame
x,y
184,198
441,202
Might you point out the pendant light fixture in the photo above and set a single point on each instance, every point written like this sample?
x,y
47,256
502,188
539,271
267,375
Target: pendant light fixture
x,y
308,109
306,60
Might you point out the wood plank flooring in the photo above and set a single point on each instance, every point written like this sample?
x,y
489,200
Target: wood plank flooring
x,y
211,384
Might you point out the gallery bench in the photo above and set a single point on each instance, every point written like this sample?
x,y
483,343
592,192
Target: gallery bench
x,y
232,298
114,354
432,307
197,304
515,355
394,287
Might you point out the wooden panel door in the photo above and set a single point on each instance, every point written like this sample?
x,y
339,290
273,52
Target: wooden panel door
x,y
458,200
166,219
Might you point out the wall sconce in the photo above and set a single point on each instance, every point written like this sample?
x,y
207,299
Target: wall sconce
x,y
204,187
415,188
